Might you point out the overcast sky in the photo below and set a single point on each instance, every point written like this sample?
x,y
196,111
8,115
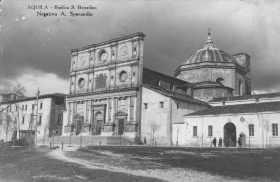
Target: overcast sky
x,y
36,50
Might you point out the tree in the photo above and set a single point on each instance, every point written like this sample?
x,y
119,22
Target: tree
x,y
7,88
154,127
8,124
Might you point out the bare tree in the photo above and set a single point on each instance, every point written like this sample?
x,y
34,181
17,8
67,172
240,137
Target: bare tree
x,y
7,88
154,127
8,123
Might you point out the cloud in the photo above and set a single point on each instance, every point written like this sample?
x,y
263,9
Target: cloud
x,y
48,83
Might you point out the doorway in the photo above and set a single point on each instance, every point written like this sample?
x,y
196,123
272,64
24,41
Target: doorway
x,y
99,127
121,126
229,135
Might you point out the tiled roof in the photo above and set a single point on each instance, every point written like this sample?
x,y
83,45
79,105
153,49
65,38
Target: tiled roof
x,y
54,95
245,97
175,95
242,108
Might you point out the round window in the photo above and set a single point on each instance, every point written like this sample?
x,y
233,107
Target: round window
x,y
123,76
81,82
103,56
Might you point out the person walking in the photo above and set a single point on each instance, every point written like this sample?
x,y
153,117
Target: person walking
x,y
214,142
239,141
145,141
220,142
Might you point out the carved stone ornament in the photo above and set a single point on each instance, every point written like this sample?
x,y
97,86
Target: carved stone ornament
x,y
242,120
124,50
228,120
83,60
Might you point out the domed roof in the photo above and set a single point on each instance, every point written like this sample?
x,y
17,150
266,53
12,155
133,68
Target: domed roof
x,y
210,53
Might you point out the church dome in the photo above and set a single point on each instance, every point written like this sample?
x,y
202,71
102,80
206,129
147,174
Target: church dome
x,y
210,53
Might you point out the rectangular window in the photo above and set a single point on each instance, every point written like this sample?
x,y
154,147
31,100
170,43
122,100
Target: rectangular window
x,y
23,120
145,105
41,105
194,130
274,129
22,107
210,130
251,130
177,105
33,107
161,104
10,108
40,120
25,107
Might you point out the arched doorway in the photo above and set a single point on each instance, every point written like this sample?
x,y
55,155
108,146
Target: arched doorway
x,y
99,122
79,119
229,135
242,139
121,118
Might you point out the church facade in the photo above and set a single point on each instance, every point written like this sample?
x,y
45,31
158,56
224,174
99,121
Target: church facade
x,y
112,94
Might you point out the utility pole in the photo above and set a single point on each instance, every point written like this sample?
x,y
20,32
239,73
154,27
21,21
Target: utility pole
x,y
36,122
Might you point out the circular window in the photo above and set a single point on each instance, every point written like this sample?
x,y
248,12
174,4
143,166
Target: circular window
x,y
103,56
124,50
123,76
81,82
83,60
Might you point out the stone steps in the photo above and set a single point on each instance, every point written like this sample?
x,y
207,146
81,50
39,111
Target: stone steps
x,y
86,140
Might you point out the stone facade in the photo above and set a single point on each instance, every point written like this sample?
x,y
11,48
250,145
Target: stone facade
x,y
104,88
109,89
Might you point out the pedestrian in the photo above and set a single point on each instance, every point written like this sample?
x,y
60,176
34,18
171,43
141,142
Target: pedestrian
x,y
239,141
220,142
145,141
214,141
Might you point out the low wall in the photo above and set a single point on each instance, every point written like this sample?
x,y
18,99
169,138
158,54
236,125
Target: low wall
x,y
19,142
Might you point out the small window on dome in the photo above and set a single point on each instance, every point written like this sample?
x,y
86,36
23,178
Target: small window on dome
x,y
220,80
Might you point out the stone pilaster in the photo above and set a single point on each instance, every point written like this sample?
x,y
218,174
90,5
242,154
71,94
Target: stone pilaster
x,y
128,109
107,111
113,111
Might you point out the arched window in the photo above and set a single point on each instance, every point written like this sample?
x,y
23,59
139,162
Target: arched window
x,y
220,80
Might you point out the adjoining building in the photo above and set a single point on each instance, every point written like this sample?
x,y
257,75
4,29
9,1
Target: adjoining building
x,y
18,116
112,94
255,119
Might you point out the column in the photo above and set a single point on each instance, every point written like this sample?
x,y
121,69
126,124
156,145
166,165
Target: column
x,y
70,84
85,111
72,113
75,80
135,109
128,109
88,82
107,111
90,115
113,110
69,113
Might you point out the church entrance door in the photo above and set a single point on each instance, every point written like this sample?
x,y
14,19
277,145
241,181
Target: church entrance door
x,y
229,135
99,127
121,126
79,127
